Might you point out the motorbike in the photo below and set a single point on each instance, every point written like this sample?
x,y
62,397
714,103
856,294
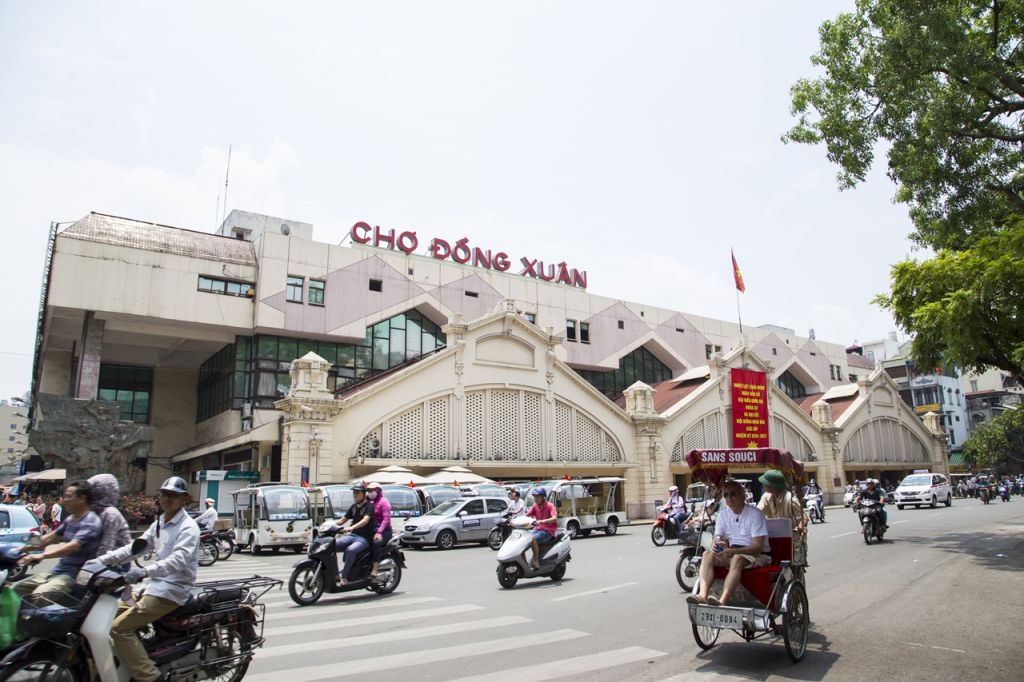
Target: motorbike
x,y
815,508
870,514
514,555
663,529
502,529
320,570
1004,493
696,540
214,635
984,494
225,543
208,548
848,498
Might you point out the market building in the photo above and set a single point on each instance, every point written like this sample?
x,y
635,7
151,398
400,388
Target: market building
x,y
259,349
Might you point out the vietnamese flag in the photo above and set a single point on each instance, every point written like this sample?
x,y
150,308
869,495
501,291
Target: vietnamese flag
x,y
736,274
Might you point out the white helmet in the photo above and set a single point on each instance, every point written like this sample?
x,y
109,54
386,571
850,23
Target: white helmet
x,y
210,500
673,488
175,484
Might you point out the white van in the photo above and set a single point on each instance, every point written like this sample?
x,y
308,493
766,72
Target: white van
x,y
924,488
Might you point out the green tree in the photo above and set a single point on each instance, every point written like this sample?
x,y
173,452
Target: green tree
x,y
939,82
965,307
993,443
938,85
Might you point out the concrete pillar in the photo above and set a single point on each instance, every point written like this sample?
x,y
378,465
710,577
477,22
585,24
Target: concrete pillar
x,y
90,351
653,467
309,410
940,449
831,473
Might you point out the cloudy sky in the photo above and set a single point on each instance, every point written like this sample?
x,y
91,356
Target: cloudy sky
x,y
637,141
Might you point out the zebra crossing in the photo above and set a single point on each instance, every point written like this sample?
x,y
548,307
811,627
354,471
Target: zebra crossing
x,y
427,635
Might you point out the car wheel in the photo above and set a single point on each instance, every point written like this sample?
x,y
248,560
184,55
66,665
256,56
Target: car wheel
x,y
572,529
949,500
613,526
935,502
446,539
254,549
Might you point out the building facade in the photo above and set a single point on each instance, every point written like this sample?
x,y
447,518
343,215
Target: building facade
x,y
259,348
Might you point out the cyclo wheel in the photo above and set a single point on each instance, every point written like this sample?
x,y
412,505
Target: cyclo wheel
x,y
705,636
795,622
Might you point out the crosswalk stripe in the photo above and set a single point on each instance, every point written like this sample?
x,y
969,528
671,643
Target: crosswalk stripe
x,y
396,636
297,611
417,658
319,627
601,590
564,667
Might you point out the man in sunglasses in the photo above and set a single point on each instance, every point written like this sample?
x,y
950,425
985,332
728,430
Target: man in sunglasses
x,y
741,542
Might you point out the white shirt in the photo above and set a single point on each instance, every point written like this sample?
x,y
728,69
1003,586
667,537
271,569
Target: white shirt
x,y
517,507
173,575
741,531
207,518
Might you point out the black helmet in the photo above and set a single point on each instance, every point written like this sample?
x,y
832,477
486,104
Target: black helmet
x,y
175,484
359,488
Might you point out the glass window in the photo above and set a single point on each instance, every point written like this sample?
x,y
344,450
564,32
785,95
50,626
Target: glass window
x,y
316,292
570,330
640,365
496,506
474,507
130,388
294,289
530,317
791,386
376,285
584,332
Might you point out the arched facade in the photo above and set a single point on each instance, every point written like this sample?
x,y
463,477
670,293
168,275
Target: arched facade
x,y
885,439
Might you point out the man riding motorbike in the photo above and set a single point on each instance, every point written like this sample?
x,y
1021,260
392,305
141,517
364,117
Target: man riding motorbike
x,y
76,538
545,516
175,536
516,506
872,492
358,534
812,489
676,507
741,542
208,518
778,503
382,519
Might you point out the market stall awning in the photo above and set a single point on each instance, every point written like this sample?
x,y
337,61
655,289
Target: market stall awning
x,y
263,433
956,459
47,476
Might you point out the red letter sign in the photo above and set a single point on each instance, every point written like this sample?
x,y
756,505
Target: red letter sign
x,y
749,409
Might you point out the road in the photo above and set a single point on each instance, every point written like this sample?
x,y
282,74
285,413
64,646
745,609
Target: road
x,y
923,605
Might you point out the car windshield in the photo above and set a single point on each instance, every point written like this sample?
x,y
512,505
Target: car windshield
x,y
340,498
446,508
286,504
922,479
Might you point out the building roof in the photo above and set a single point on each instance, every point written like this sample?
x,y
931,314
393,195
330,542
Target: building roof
x,y
668,393
839,405
858,360
138,234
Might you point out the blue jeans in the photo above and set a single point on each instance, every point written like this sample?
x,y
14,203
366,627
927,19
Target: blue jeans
x,y
351,545
542,537
677,520
378,547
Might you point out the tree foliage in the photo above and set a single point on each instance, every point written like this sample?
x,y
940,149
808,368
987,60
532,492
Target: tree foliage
x,y
991,444
965,307
941,83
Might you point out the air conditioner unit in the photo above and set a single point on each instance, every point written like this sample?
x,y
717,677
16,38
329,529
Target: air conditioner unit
x,y
246,410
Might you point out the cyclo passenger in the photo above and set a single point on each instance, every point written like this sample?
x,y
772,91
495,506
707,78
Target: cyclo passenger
x,y
74,540
357,536
545,516
382,519
175,536
741,542
779,503
873,493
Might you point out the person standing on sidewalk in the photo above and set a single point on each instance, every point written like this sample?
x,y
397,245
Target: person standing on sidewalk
x,y
172,577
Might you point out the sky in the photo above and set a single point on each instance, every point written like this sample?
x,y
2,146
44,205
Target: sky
x,y
636,141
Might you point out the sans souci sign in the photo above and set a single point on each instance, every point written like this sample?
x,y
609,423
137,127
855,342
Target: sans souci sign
x,y
462,253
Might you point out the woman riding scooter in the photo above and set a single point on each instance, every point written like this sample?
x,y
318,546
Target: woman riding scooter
x,y
358,535
382,519
545,516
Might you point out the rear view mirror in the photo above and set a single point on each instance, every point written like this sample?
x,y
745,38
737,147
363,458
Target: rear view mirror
x,y
462,513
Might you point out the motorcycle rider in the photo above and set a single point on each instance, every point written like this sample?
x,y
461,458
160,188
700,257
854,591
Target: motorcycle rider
x,y
175,536
778,503
516,506
812,489
871,492
105,493
382,518
208,518
357,536
676,507
545,516
77,538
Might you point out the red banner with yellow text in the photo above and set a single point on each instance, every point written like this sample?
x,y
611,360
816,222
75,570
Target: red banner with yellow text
x,y
749,409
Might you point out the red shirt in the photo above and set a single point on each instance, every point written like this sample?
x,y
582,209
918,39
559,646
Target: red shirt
x,y
545,511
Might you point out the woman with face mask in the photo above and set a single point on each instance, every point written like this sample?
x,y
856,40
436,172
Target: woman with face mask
x,y
382,515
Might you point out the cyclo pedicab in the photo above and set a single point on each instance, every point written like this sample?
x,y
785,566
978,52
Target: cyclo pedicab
x,y
775,602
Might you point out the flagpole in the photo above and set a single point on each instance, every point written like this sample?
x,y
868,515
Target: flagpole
x,y
739,314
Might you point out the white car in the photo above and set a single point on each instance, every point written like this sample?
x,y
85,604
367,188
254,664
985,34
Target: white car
x,y
919,489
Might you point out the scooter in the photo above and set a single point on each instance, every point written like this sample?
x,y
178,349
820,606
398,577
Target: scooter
x,y
870,514
213,635
1004,493
319,571
984,494
209,548
814,507
225,543
848,498
515,555
502,529
663,530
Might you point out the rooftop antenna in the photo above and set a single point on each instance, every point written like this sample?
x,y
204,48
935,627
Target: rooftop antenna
x,y
227,174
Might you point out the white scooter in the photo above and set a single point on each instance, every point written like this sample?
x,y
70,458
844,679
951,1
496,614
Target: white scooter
x,y
814,507
515,555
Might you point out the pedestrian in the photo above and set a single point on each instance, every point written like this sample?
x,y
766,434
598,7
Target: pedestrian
x,y
38,509
56,513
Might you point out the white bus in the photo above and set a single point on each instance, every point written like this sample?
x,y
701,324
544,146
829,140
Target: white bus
x,y
272,516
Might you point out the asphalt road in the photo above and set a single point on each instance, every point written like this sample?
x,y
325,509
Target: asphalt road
x,y
941,596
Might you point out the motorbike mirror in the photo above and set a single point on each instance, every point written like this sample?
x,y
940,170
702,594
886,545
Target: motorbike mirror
x,y
35,541
139,546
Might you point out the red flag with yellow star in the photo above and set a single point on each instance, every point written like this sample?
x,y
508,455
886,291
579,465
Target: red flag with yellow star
x,y
736,274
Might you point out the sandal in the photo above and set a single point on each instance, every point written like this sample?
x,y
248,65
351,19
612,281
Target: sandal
x,y
695,599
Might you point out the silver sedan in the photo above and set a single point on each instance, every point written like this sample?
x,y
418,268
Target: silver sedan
x,y
462,520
